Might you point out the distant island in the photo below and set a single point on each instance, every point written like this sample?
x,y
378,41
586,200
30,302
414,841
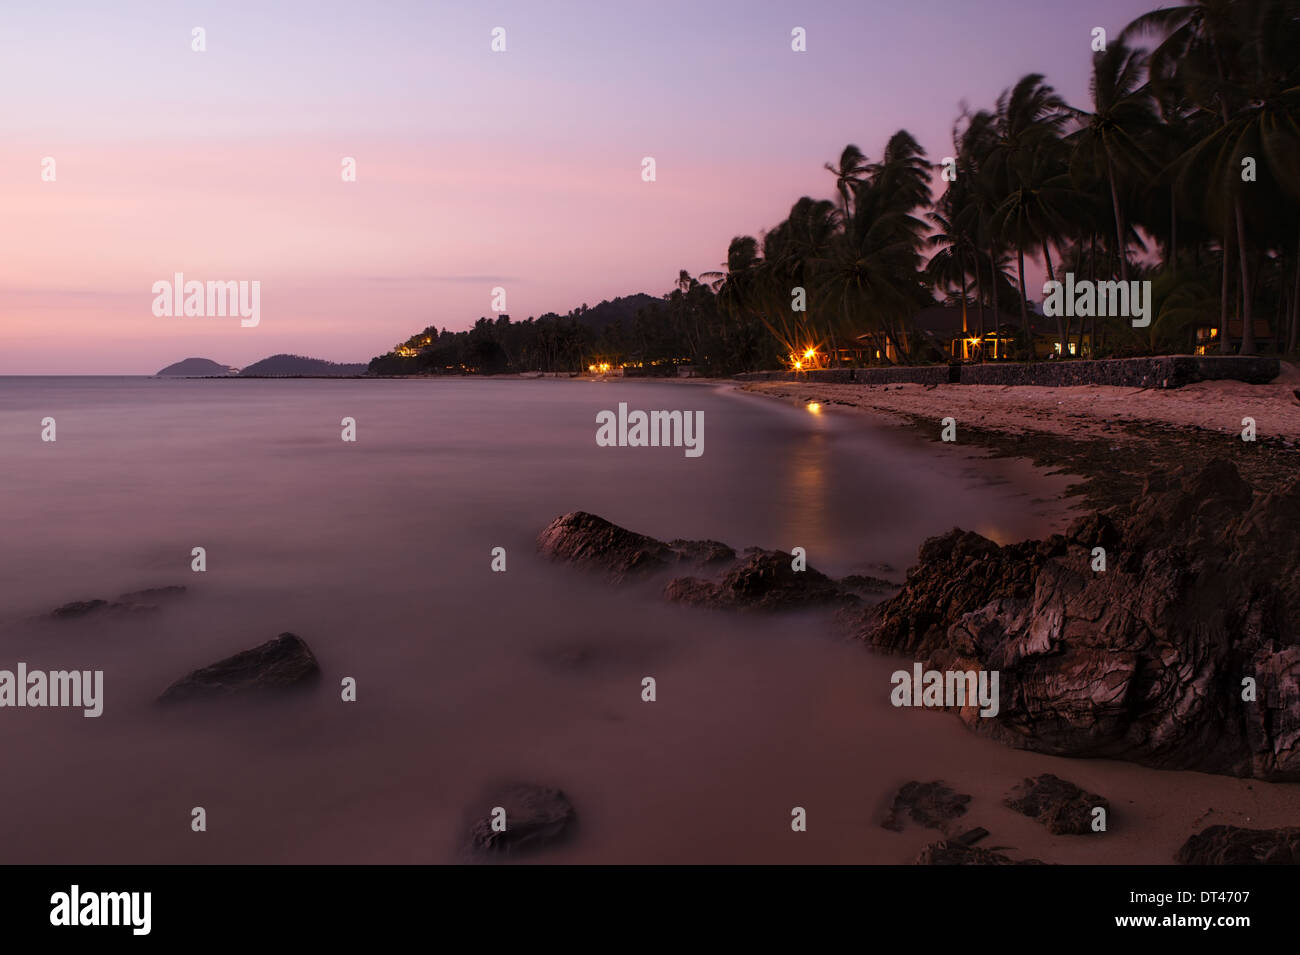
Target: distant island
x,y
196,368
277,366
290,365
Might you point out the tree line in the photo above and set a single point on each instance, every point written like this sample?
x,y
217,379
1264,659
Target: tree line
x,y
1183,169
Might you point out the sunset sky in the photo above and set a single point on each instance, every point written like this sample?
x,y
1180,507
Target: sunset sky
x,y
475,169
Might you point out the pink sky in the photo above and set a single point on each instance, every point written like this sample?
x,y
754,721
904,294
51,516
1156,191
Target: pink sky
x,y
475,169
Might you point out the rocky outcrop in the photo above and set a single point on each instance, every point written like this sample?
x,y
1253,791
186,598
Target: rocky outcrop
x,y
932,805
1149,660
281,664
1232,845
757,580
962,851
534,817
137,601
586,540
1063,807
761,580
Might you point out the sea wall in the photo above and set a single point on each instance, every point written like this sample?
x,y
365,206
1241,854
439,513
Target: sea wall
x,y
1167,371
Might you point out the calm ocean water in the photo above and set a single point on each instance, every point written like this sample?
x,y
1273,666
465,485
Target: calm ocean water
x,y
378,554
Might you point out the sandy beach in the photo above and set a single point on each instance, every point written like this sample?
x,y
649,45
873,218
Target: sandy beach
x,y
1110,437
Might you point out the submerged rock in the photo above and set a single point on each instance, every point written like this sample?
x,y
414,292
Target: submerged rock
x,y
761,580
78,608
277,665
758,580
1232,845
1061,806
955,852
1144,660
933,805
137,601
535,817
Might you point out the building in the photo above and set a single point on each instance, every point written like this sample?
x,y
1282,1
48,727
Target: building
x,y
941,332
1206,341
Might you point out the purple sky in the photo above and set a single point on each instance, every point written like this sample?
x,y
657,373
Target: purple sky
x,y
474,169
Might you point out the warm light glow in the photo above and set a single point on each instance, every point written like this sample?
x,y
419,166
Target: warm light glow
x,y
798,366
810,353
814,407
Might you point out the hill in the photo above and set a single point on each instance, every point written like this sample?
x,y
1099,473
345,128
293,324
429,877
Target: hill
x,y
290,365
196,368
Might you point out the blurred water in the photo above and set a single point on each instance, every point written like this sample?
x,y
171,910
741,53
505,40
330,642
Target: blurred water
x,y
378,554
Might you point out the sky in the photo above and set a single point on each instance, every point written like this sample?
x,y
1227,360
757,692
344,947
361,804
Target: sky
x,y
475,169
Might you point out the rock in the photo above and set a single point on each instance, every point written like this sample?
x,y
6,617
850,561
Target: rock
x,y
866,585
1061,806
1232,845
277,665
152,595
589,541
78,608
933,805
761,580
758,580
954,852
1143,661
136,601
535,817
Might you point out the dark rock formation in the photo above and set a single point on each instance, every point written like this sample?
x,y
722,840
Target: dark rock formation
x,y
1232,845
137,601
78,608
277,665
1061,806
535,817
933,805
757,580
955,852
593,542
761,580
1144,661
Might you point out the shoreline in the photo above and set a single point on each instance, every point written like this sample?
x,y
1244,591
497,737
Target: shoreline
x,y
1109,437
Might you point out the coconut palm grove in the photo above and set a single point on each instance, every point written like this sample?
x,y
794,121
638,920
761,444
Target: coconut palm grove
x,y
1182,170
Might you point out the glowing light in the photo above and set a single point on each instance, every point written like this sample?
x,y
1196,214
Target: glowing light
x,y
814,407
810,353
798,366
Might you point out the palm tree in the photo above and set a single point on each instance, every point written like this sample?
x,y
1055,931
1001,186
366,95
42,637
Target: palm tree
x,y
1109,142
850,172
1025,155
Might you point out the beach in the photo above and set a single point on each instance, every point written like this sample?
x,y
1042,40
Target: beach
x,y
1109,437
378,555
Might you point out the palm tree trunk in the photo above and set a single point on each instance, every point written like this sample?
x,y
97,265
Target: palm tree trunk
x,y
1119,222
979,295
1061,332
1225,339
1092,269
1173,229
961,267
1247,293
997,313
1024,303
1295,301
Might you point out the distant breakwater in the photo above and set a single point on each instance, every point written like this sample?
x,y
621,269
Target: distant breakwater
x,y
1169,371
